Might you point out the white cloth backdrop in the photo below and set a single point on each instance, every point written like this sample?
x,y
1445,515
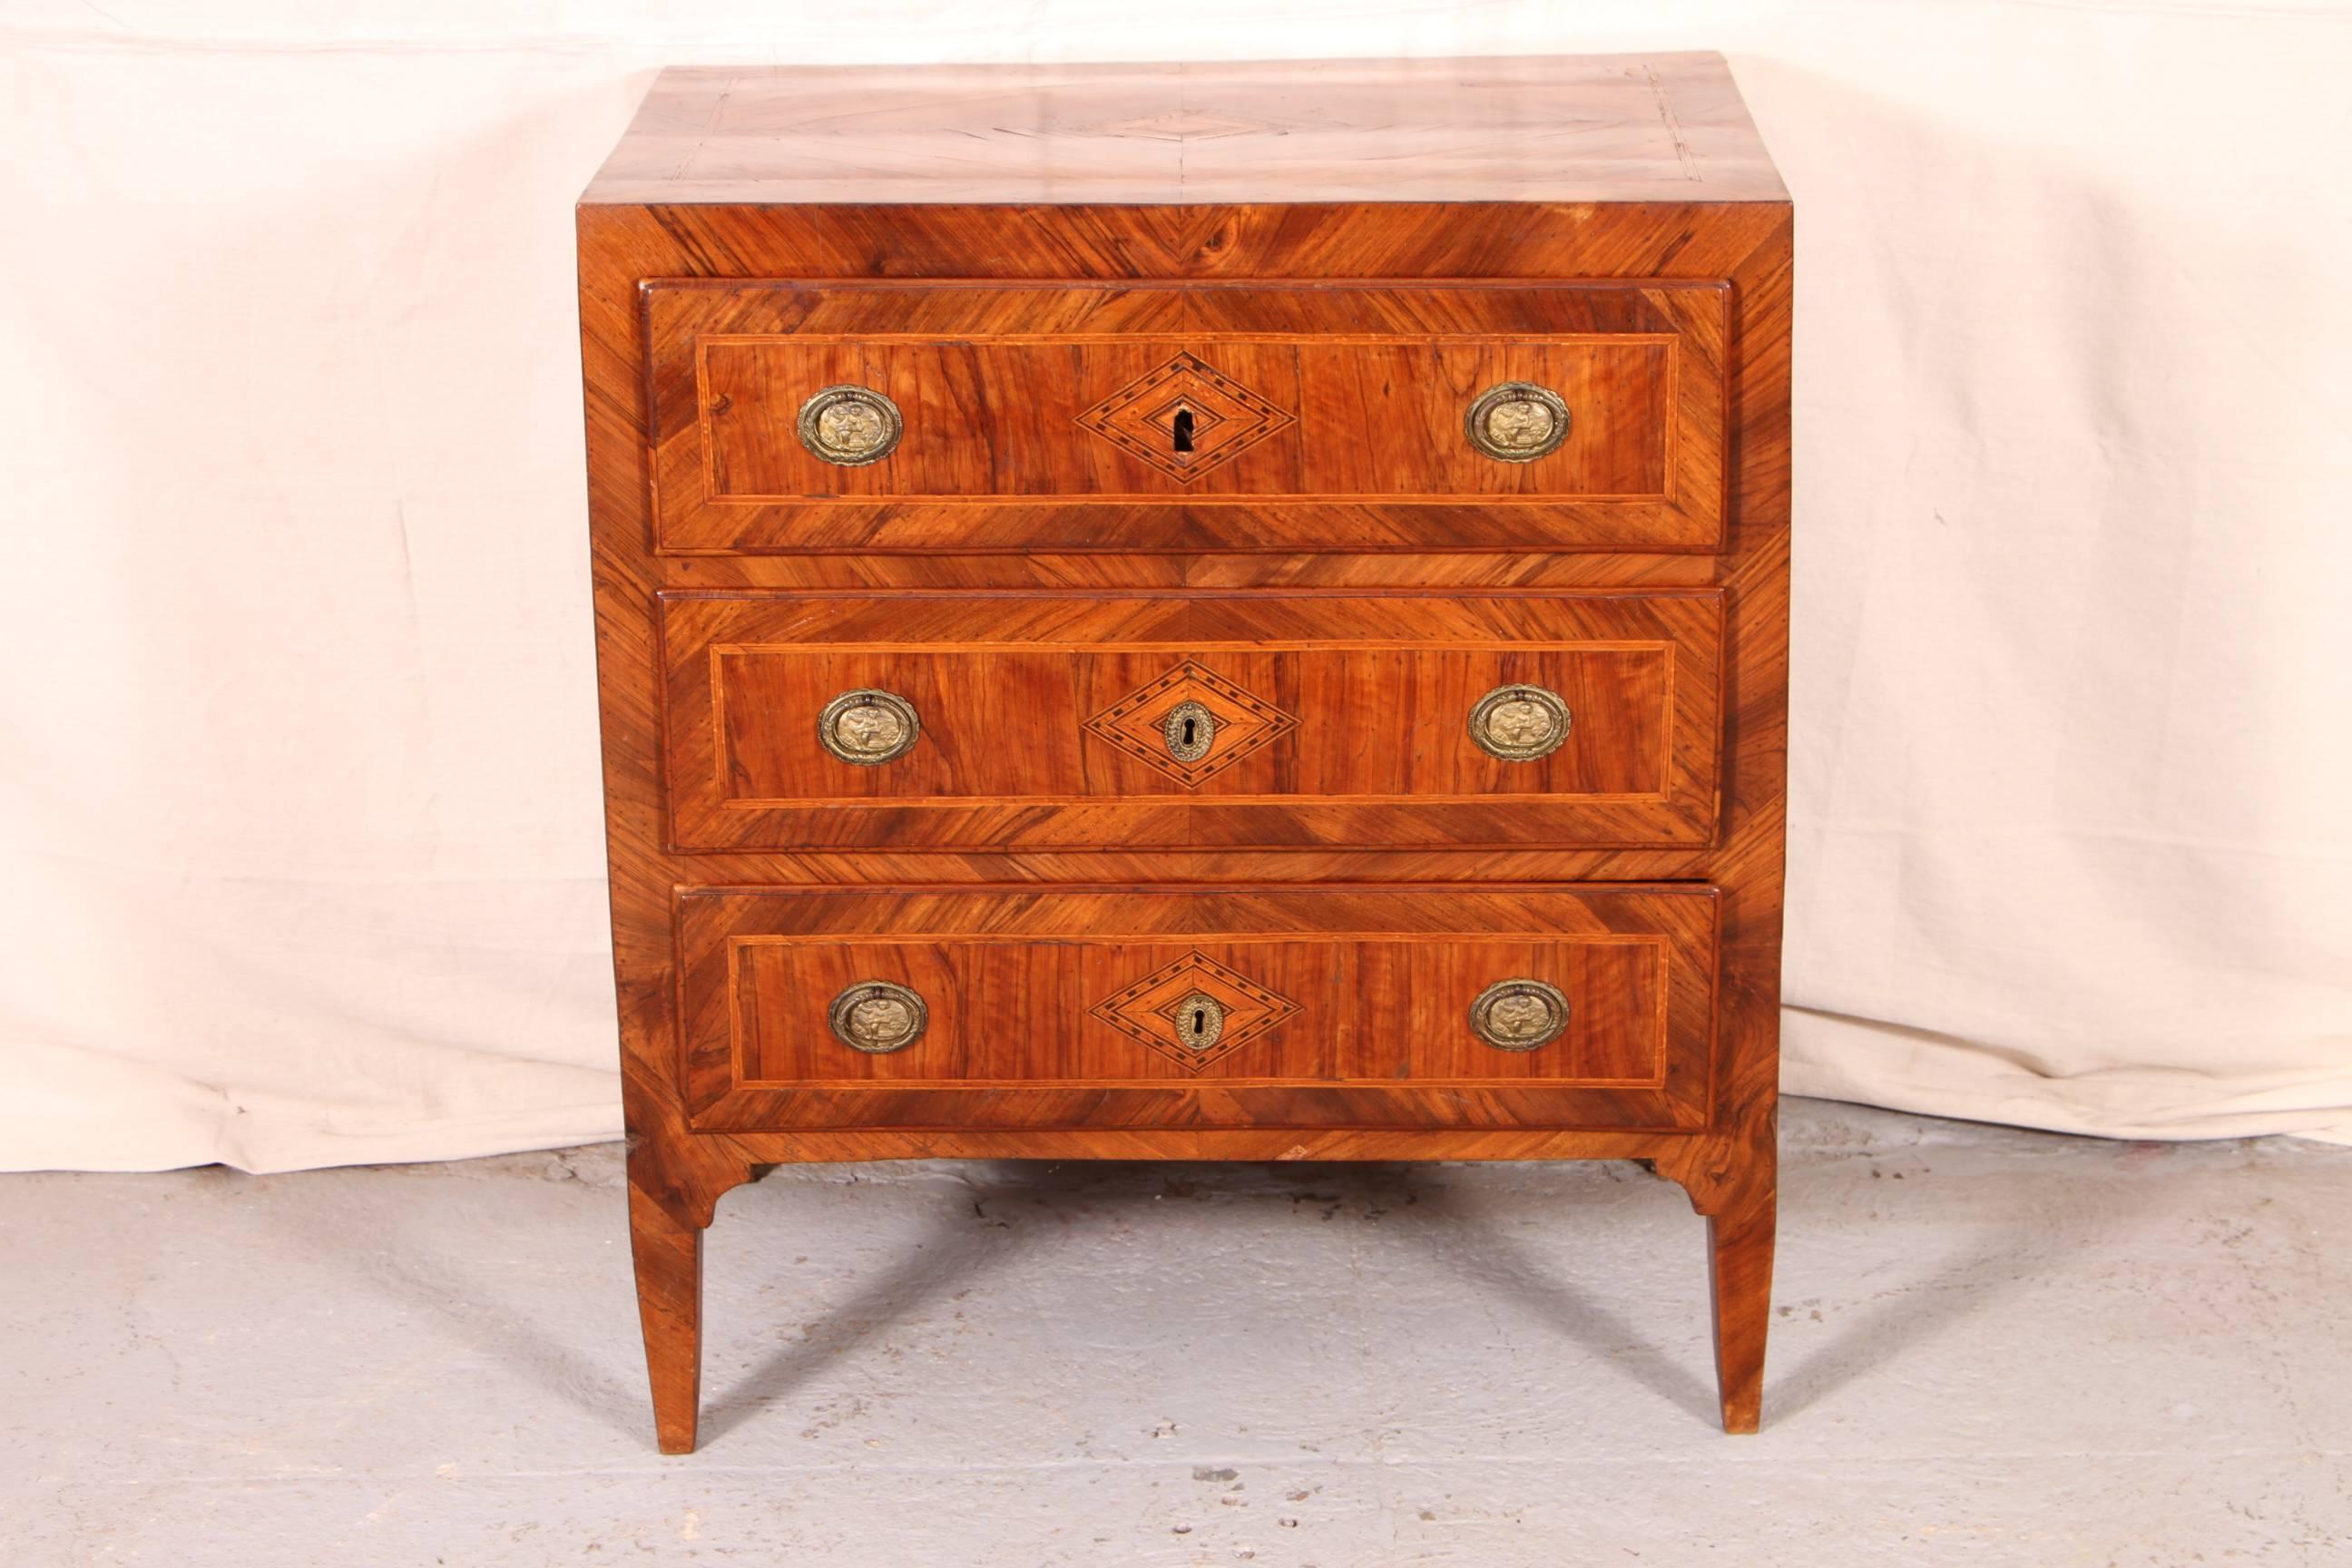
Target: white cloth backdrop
x,y
299,844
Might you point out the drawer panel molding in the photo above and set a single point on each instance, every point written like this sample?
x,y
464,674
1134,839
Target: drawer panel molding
x,y
1134,723
1241,417
1309,1007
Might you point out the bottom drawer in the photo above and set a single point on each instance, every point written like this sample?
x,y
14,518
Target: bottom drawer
x,y
1542,1006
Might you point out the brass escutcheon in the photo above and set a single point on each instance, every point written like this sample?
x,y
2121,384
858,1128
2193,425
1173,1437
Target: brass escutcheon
x,y
868,728
1517,422
1190,731
1519,723
1519,1014
850,426
878,1017
1199,1021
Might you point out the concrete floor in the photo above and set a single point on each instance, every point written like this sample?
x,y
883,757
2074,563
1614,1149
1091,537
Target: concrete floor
x,y
1992,1347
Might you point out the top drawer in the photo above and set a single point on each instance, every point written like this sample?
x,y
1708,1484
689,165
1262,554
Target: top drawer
x,y
1186,416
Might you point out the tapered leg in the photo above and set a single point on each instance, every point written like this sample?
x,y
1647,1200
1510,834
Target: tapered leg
x,y
669,1304
1740,1276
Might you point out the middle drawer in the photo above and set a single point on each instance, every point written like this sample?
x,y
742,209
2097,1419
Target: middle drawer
x,y
962,722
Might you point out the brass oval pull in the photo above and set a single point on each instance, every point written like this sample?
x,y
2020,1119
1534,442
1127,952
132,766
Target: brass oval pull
x,y
1199,1020
868,728
1520,723
878,1017
1519,1014
1517,422
850,426
1190,731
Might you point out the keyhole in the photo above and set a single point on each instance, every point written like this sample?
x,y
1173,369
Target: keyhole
x,y
1182,429
1190,725
1199,1021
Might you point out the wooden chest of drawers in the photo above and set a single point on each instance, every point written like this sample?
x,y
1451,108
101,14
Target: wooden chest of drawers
x,y
1192,613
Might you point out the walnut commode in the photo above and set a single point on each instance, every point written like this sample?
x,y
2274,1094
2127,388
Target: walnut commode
x,y
1205,613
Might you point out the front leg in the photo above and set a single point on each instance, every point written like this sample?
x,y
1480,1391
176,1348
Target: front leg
x,y
1739,1278
1737,1188
676,1179
668,1256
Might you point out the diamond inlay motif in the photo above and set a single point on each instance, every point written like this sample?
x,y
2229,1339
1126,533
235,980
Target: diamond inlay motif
x,y
1141,418
1178,125
1150,1011
1138,722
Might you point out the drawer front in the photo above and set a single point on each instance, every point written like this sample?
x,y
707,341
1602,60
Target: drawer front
x,y
1307,1007
1094,721
1186,416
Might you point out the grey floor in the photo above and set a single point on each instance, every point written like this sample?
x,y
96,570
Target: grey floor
x,y
1991,1347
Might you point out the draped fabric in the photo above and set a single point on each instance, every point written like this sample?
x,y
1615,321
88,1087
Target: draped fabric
x,y
299,830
